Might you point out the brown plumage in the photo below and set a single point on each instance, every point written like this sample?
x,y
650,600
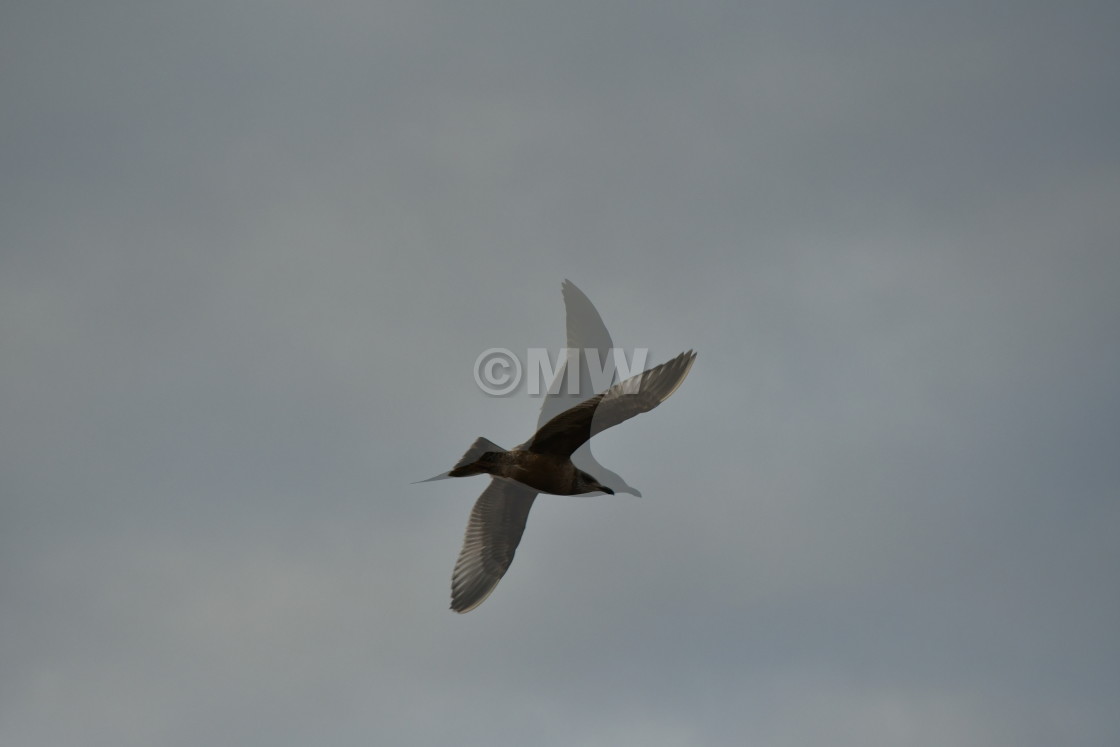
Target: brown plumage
x,y
542,465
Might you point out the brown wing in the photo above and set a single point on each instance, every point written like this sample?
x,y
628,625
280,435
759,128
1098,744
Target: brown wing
x,y
493,533
564,433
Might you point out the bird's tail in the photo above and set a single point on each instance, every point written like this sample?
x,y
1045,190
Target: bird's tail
x,y
482,453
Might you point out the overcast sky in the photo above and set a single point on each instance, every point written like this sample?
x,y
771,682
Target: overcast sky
x,y
249,252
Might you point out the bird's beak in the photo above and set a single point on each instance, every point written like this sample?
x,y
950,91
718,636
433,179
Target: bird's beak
x,y
606,490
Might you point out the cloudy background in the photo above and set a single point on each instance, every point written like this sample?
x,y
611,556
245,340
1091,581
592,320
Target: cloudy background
x,y
249,252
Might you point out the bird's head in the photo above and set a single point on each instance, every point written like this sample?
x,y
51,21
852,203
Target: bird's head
x,y
588,484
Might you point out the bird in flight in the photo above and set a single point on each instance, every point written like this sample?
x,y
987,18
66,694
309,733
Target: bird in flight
x,y
544,464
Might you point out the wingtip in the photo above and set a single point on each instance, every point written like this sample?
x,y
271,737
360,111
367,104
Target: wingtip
x,y
463,609
683,363
568,288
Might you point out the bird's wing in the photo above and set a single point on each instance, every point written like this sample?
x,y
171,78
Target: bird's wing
x,y
493,533
584,325
586,331
564,433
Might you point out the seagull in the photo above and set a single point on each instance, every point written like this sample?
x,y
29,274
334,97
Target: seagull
x,y
543,464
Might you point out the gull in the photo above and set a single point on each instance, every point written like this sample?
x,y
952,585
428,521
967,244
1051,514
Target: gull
x,y
543,464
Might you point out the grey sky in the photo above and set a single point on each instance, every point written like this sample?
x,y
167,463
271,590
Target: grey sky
x,y
250,251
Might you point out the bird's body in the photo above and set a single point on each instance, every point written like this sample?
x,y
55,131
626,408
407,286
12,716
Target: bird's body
x,y
548,473
557,459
